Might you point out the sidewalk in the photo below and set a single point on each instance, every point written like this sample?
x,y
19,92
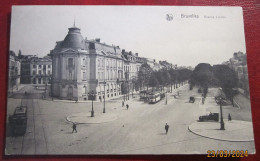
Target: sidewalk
x,y
241,101
235,130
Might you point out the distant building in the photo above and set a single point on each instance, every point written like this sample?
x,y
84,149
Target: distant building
x,y
40,70
239,64
166,65
35,70
14,72
132,64
153,64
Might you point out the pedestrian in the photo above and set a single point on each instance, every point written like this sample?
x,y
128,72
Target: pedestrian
x,y
229,117
203,99
123,103
74,128
127,106
167,128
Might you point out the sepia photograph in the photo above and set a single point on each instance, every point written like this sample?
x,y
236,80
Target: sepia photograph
x,y
128,80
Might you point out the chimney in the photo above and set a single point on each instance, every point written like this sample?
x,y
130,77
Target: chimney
x,y
97,39
136,54
123,51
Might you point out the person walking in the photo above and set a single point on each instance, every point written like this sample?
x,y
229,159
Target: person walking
x,y
123,103
74,128
167,128
229,117
127,106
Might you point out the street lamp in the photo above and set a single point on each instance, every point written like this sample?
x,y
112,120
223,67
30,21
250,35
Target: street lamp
x,y
166,98
45,78
104,109
222,124
91,96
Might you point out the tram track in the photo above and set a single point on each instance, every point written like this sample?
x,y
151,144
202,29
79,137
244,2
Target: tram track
x,y
18,141
27,144
26,130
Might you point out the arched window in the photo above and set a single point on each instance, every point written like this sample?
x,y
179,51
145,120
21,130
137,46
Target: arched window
x,y
84,89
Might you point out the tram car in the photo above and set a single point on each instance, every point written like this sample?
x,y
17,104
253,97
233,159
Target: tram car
x,y
154,97
18,121
144,94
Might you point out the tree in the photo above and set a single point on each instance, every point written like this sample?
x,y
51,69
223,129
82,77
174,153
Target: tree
x,y
144,74
202,75
174,77
167,78
153,81
184,74
227,79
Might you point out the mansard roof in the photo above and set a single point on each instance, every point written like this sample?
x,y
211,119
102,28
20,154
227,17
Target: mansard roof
x,y
73,39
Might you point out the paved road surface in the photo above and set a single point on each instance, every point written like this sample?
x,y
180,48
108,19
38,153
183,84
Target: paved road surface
x,y
139,130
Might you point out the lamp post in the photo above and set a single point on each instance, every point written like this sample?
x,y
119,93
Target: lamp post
x,y
222,124
45,78
104,109
91,95
166,98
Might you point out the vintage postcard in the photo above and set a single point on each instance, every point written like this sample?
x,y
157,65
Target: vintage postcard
x,y
98,80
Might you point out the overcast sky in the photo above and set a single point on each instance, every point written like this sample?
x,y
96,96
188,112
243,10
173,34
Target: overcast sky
x,y
142,29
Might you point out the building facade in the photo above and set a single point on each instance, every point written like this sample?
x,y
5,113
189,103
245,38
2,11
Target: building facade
x,y
40,70
82,66
35,70
14,72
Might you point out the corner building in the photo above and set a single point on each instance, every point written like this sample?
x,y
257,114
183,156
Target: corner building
x,y
80,66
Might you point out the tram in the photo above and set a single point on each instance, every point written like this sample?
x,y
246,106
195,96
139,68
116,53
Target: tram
x,y
144,94
18,121
154,97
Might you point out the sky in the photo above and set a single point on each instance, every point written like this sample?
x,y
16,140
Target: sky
x,y
194,35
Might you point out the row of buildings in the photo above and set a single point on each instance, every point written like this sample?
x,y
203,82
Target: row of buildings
x,y
238,63
28,69
78,66
81,66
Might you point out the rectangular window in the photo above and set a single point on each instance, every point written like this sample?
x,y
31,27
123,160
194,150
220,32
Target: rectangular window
x,y
49,66
84,76
84,62
34,66
34,72
39,72
49,72
70,62
39,80
40,66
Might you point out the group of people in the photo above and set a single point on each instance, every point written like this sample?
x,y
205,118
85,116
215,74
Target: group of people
x,y
123,104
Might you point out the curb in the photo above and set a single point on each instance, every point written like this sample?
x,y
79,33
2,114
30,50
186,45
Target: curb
x,y
219,139
68,120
